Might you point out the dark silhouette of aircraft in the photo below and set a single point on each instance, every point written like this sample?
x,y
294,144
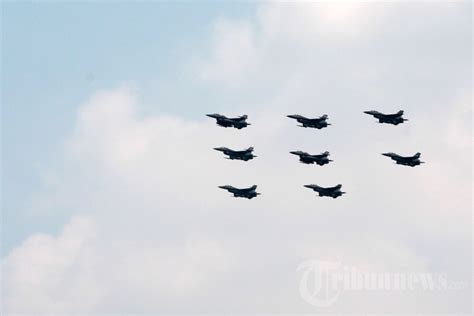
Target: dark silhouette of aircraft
x,y
248,193
237,122
394,119
406,161
333,192
306,158
245,155
318,123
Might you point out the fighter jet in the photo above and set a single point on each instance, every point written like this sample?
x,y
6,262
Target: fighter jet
x,y
245,155
248,193
394,119
318,123
333,192
306,158
237,122
406,161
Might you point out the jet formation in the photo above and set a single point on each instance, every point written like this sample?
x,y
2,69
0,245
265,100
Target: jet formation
x,y
319,122
393,119
405,161
245,155
236,122
304,157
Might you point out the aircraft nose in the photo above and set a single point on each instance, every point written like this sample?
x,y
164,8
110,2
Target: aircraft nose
x,y
307,186
294,152
291,116
219,149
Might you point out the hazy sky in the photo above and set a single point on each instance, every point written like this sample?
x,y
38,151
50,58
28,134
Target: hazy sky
x,y
110,199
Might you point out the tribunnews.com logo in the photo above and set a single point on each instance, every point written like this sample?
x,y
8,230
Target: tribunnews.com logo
x,y
322,282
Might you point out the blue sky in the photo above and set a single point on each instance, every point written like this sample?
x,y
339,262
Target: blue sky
x,y
109,182
56,54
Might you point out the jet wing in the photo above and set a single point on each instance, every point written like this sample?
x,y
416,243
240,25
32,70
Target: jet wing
x,y
245,151
251,189
239,119
316,120
335,188
226,120
399,114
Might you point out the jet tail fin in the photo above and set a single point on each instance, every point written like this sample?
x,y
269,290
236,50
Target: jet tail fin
x,y
324,117
417,155
400,112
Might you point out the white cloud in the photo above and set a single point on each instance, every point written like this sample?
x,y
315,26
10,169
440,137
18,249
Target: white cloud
x,y
154,234
83,269
231,53
52,274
